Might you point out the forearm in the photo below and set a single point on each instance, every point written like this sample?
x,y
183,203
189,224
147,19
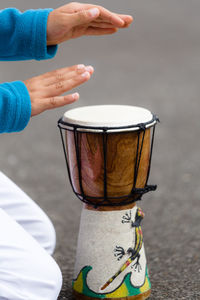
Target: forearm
x,y
15,106
24,35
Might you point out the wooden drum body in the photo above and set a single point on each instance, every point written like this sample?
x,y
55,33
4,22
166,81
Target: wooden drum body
x,y
120,164
108,153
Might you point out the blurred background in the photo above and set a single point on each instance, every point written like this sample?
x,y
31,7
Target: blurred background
x,y
154,64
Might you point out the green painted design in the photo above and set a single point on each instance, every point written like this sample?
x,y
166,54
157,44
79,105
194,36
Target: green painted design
x,y
86,290
80,285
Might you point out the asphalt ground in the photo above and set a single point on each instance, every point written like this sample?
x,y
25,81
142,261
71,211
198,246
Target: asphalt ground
x,y
154,64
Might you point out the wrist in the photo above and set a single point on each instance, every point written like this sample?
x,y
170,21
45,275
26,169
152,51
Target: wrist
x,y
42,50
51,29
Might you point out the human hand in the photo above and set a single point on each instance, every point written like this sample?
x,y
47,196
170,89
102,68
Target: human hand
x,y
76,19
46,90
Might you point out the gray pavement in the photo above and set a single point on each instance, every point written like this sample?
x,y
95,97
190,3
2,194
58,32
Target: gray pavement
x,y
154,64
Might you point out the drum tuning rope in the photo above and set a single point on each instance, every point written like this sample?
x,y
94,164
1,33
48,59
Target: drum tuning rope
x,y
105,164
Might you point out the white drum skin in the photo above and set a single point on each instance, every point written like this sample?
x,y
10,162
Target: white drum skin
x,y
109,116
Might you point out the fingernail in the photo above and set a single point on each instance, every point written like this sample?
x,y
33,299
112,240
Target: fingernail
x,y
80,67
90,69
94,12
75,96
85,74
130,17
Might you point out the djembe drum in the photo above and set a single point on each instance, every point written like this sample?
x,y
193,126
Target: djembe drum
x,y
108,152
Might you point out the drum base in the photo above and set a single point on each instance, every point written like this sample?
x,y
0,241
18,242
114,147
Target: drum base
x,y
143,296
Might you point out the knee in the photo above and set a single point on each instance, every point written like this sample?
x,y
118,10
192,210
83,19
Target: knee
x,y
48,282
55,280
27,270
33,274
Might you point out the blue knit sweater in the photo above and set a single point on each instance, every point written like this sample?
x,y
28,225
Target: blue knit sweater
x,y
22,37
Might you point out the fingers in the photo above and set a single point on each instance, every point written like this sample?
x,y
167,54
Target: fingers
x,y
66,73
101,25
127,19
56,73
40,105
61,87
100,31
111,17
82,13
59,101
118,20
83,17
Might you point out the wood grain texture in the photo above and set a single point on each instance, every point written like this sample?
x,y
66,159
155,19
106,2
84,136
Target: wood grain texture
x,y
121,159
143,296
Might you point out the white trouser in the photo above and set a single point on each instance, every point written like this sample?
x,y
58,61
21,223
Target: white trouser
x,y
27,240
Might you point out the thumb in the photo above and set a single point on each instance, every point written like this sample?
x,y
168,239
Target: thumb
x,y
84,16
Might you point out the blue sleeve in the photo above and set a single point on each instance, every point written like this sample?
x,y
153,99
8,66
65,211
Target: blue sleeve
x,y
15,106
23,35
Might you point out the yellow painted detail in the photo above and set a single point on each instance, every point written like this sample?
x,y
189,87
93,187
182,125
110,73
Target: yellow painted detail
x,y
78,284
137,233
120,292
145,287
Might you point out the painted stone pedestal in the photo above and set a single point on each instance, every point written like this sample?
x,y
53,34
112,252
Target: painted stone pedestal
x,y
110,260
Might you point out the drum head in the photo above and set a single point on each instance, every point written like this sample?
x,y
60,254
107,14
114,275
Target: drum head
x,y
113,117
